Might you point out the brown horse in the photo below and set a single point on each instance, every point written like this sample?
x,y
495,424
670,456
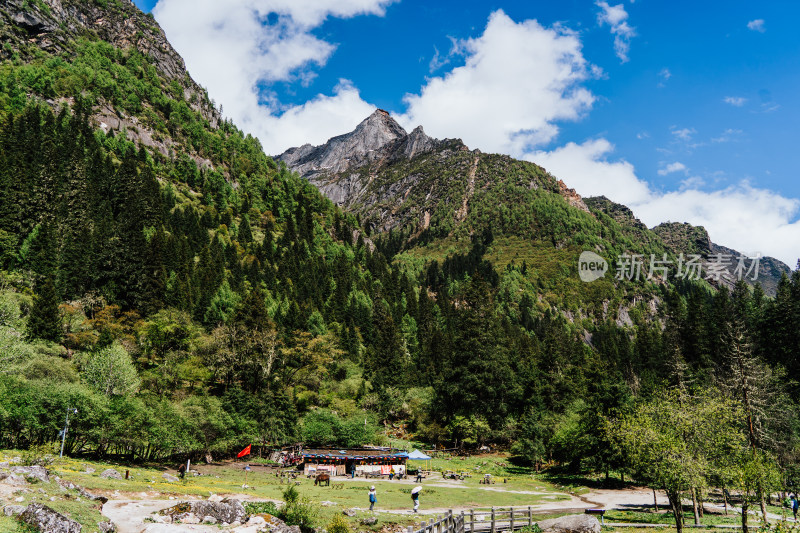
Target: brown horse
x,y
323,477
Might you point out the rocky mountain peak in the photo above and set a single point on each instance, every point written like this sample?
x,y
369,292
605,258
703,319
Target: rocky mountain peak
x,y
367,142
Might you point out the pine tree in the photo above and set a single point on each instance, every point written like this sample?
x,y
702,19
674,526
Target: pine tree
x,y
44,321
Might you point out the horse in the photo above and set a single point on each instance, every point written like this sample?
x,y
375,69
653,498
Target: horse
x,y
323,477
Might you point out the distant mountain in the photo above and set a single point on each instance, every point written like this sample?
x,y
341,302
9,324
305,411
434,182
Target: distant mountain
x,y
431,189
683,238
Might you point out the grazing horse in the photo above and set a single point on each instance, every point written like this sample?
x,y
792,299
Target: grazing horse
x,y
323,477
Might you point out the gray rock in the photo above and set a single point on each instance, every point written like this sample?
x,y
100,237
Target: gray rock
x,y
369,521
227,510
47,520
186,518
574,523
14,480
4,464
170,478
37,472
106,527
349,512
13,510
209,520
110,473
89,470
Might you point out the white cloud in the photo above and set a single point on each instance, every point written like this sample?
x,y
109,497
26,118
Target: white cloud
x,y
684,134
665,74
742,217
728,135
585,168
736,101
757,25
677,166
233,48
517,80
617,18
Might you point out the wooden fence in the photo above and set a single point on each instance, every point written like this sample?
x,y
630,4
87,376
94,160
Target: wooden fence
x,y
505,519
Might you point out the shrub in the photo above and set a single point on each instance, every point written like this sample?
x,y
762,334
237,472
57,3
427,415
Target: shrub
x,y
338,524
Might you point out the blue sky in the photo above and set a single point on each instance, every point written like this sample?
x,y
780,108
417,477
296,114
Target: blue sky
x,y
682,110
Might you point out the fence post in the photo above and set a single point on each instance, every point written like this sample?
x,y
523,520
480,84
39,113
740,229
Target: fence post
x,y
530,517
512,519
461,527
494,527
410,529
472,520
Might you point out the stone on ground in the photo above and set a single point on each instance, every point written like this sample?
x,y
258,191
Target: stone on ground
x,y
574,523
47,520
37,472
13,510
228,510
170,478
110,473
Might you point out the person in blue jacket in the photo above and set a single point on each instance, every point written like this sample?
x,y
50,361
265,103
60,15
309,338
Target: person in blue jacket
x,y
372,497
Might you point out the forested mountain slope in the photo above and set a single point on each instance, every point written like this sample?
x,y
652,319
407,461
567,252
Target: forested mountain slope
x,y
187,294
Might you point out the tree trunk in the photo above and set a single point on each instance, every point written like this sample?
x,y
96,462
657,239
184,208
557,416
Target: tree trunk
x,y
655,501
701,504
764,510
725,499
694,507
744,516
677,509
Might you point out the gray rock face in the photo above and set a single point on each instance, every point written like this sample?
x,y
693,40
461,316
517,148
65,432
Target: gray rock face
x,y
345,151
106,527
37,472
47,520
170,478
574,523
227,510
370,170
110,473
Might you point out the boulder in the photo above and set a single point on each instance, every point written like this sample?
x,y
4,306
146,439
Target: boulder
x,y
37,472
169,478
256,521
13,510
209,520
47,520
106,527
110,473
4,464
573,523
369,521
14,480
228,510
215,498
349,512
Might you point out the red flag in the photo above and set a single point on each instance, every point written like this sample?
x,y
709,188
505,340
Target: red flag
x,y
244,452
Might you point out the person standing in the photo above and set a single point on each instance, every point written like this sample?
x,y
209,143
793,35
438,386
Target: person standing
x,y
795,506
373,497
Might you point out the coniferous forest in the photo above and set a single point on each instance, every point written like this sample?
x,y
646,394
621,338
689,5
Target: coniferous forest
x,y
195,299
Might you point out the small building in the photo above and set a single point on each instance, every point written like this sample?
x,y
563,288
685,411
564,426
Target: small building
x,y
365,461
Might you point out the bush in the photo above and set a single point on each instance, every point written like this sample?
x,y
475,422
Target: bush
x,y
261,508
338,524
298,511
42,455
